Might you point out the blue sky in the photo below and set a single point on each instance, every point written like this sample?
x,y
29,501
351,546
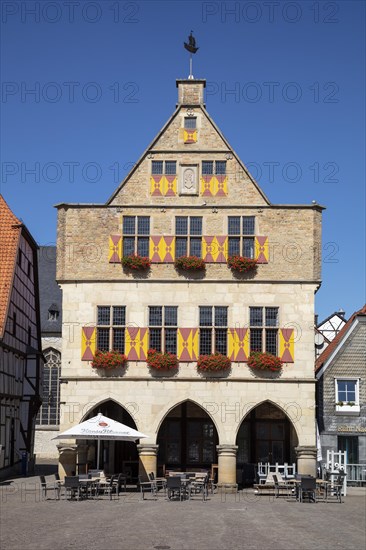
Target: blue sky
x,y
285,84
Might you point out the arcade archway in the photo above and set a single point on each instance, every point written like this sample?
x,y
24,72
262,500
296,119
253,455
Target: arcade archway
x,y
265,435
187,439
115,456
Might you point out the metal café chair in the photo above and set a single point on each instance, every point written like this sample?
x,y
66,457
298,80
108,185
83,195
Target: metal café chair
x,y
72,487
281,486
50,486
334,489
148,487
199,487
160,482
307,488
174,487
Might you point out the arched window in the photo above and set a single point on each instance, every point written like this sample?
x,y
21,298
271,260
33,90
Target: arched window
x,y
49,413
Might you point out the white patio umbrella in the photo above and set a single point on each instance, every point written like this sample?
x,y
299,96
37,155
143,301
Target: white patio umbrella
x,y
101,427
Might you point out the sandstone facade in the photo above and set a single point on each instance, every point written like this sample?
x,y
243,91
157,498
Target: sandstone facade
x,y
287,280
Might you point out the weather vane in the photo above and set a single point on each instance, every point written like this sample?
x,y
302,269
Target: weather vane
x,y
192,48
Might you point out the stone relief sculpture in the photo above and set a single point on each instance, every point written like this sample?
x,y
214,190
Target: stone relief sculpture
x,y
189,180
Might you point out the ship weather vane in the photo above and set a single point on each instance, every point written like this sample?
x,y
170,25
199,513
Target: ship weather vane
x,y
192,48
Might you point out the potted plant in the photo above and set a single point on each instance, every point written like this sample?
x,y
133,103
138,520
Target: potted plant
x,y
190,263
241,264
159,360
213,362
108,360
136,262
264,361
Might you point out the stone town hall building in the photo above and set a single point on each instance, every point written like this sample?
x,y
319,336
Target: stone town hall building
x,y
190,194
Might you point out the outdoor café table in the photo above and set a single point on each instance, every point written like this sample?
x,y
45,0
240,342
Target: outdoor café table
x,y
320,484
90,486
184,483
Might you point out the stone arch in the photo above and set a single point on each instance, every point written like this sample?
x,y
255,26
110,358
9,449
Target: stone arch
x,y
294,419
169,408
266,434
187,437
114,456
93,406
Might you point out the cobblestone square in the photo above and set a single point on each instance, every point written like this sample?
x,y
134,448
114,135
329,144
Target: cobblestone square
x,y
223,522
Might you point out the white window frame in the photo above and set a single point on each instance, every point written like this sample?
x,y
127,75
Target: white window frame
x,y
345,408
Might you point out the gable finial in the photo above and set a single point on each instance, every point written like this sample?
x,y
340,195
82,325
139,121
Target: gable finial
x,y
192,48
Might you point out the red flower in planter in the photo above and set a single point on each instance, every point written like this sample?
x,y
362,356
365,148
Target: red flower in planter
x,y
189,263
108,360
136,262
213,362
161,361
241,264
264,361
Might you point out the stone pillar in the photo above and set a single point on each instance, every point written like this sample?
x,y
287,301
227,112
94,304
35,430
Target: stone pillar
x,y
67,460
148,459
306,460
227,465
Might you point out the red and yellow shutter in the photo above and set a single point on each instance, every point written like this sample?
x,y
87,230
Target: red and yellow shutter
x,y
190,135
156,186
238,344
187,344
162,249
261,250
207,186
220,186
115,249
163,186
136,342
215,249
88,343
287,347
170,187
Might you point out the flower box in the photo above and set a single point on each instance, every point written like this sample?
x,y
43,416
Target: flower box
x,y
241,264
190,263
264,361
161,361
108,360
136,262
213,362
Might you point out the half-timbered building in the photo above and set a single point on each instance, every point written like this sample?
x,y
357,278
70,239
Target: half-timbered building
x,y
20,341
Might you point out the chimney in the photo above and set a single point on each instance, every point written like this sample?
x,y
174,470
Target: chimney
x,y
190,92
341,312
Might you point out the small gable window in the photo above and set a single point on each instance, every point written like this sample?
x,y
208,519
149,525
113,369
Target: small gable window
x,y
170,167
220,167
209,167
53,313
190,123
159,167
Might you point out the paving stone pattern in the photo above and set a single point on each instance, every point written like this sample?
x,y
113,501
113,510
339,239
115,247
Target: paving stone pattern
x,y
225,521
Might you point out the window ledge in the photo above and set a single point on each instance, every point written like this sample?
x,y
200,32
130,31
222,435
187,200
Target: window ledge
x,y
47,427
348,410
